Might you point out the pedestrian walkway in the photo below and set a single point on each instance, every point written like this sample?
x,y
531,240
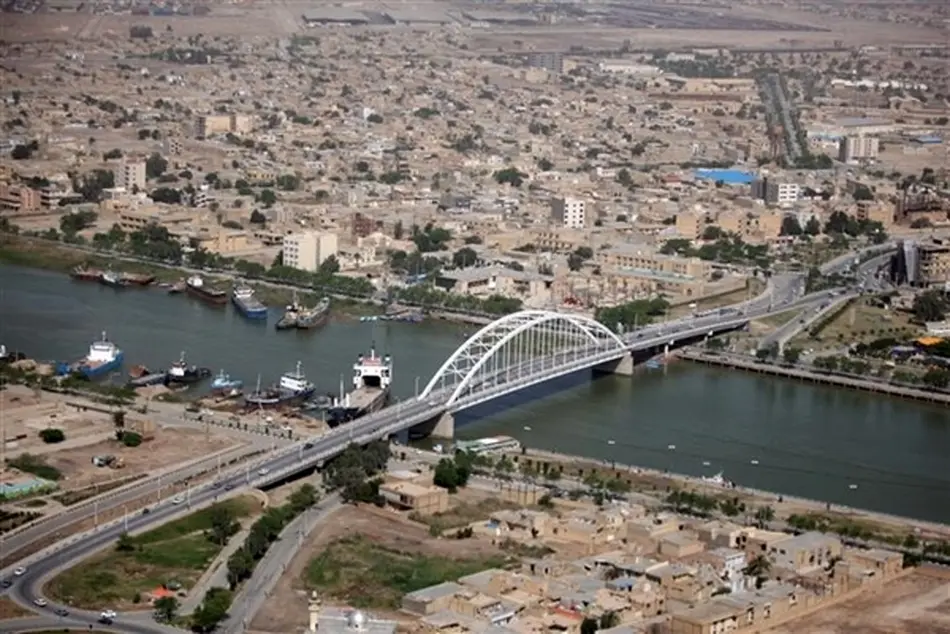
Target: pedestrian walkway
x,y
215,575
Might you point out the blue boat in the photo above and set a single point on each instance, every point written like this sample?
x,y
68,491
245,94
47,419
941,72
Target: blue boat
x,y
247,304
224,383
104,357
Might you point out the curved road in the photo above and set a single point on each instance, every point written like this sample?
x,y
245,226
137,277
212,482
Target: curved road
x,y
784,293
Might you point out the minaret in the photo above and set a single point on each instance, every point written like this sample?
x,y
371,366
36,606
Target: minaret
x,y
313,605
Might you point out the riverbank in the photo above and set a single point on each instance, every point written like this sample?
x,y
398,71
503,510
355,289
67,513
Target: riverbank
x,y
837,380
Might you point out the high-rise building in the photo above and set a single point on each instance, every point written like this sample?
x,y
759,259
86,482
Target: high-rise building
x,y
130,176
569,212
19,199
775,192
307,250
852,149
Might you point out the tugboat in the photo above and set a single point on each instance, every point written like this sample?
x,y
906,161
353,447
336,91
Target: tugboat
x,y
195,286
223,383
183,374
372,377
314,317
104,357
110,278
137,279
247,304
292,389
291,313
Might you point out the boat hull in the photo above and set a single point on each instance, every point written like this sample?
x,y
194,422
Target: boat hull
x,y
113,283
305,322
286,323
227,388
101,369
214,298
337,416
273,399
249,312
189,378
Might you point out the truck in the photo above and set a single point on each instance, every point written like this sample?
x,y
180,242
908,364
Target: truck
x,y
107,617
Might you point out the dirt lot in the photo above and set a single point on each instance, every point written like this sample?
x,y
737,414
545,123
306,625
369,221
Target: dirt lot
x,y
169,447
381,527
917,604
10,610
28,413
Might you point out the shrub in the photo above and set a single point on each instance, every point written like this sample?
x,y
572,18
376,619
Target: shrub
x,y
131,439
52,435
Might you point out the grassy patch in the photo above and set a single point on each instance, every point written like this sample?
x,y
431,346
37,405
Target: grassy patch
x,y
35,465
34,503
367,575
10,610
178,551
464,514
777,321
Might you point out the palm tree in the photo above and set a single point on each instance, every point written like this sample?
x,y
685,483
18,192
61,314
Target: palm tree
x,y
758,567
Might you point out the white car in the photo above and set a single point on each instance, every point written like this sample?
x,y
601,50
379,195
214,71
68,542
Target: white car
x,y
19,572
107,614
41,602
263,471
178,499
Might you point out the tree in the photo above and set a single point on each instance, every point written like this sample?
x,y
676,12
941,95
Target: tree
x,y
21,153
812,227
929,306
166,609
155,166
446,475
52,435
464,258
790,226
792,355
224,524
268,197
764,515
124,544
130,439
712,232
212,610
589,626
609,619
575,262
330,266
303,498
240,566
257,218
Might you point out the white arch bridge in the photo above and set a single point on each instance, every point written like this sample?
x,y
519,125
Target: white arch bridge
x,y
519,350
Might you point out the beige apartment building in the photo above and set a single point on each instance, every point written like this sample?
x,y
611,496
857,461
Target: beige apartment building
x,y
210,125
130,176
19,199
751,226
137,219
307,250
933,263
569,212
647,259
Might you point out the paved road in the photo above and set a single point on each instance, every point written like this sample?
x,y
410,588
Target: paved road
x,y
784,292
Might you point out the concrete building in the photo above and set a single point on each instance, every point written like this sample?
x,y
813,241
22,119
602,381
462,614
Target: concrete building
x,y
853,149
130,176
425,499
804,553
332,620
496,280
569,212
774,191
551,62
19,199
307,250
690,224
211,125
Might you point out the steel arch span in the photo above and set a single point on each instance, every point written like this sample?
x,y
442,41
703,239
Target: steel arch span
x,y
518,349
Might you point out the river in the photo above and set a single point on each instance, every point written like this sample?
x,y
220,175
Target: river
x,y
808,440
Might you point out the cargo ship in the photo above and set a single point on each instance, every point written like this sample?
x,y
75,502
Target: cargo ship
x,y
103,358
223,383
243,299
110,278
293,388
288,320
314,317
183,374
137,279
195,286
86,274
372,377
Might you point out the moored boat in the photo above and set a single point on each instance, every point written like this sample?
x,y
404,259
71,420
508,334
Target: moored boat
x,y
137,279
111,278
195,286
223,383
86,274
103,358
177,287
372,377
288,320
183,374
314,317
293,388
247,304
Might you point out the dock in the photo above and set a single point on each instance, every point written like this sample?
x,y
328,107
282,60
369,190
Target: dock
x,y
839,380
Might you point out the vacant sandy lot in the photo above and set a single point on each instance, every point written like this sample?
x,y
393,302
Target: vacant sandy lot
x,y
383,527
169,447
918,604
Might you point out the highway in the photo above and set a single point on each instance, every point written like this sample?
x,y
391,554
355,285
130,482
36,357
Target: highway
x,y
783,293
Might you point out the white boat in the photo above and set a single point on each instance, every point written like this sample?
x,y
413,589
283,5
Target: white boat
x,y
717,479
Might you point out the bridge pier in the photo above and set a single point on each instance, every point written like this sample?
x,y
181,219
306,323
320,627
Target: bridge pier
x,y
442,426
622,366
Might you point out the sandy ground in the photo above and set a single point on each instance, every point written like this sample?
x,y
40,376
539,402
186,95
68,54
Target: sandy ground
x,y
27,414
169,447
917,604
384,527
10,610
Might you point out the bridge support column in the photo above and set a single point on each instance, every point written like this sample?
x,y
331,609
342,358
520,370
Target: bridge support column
x,y
622,366
666,352
442,426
